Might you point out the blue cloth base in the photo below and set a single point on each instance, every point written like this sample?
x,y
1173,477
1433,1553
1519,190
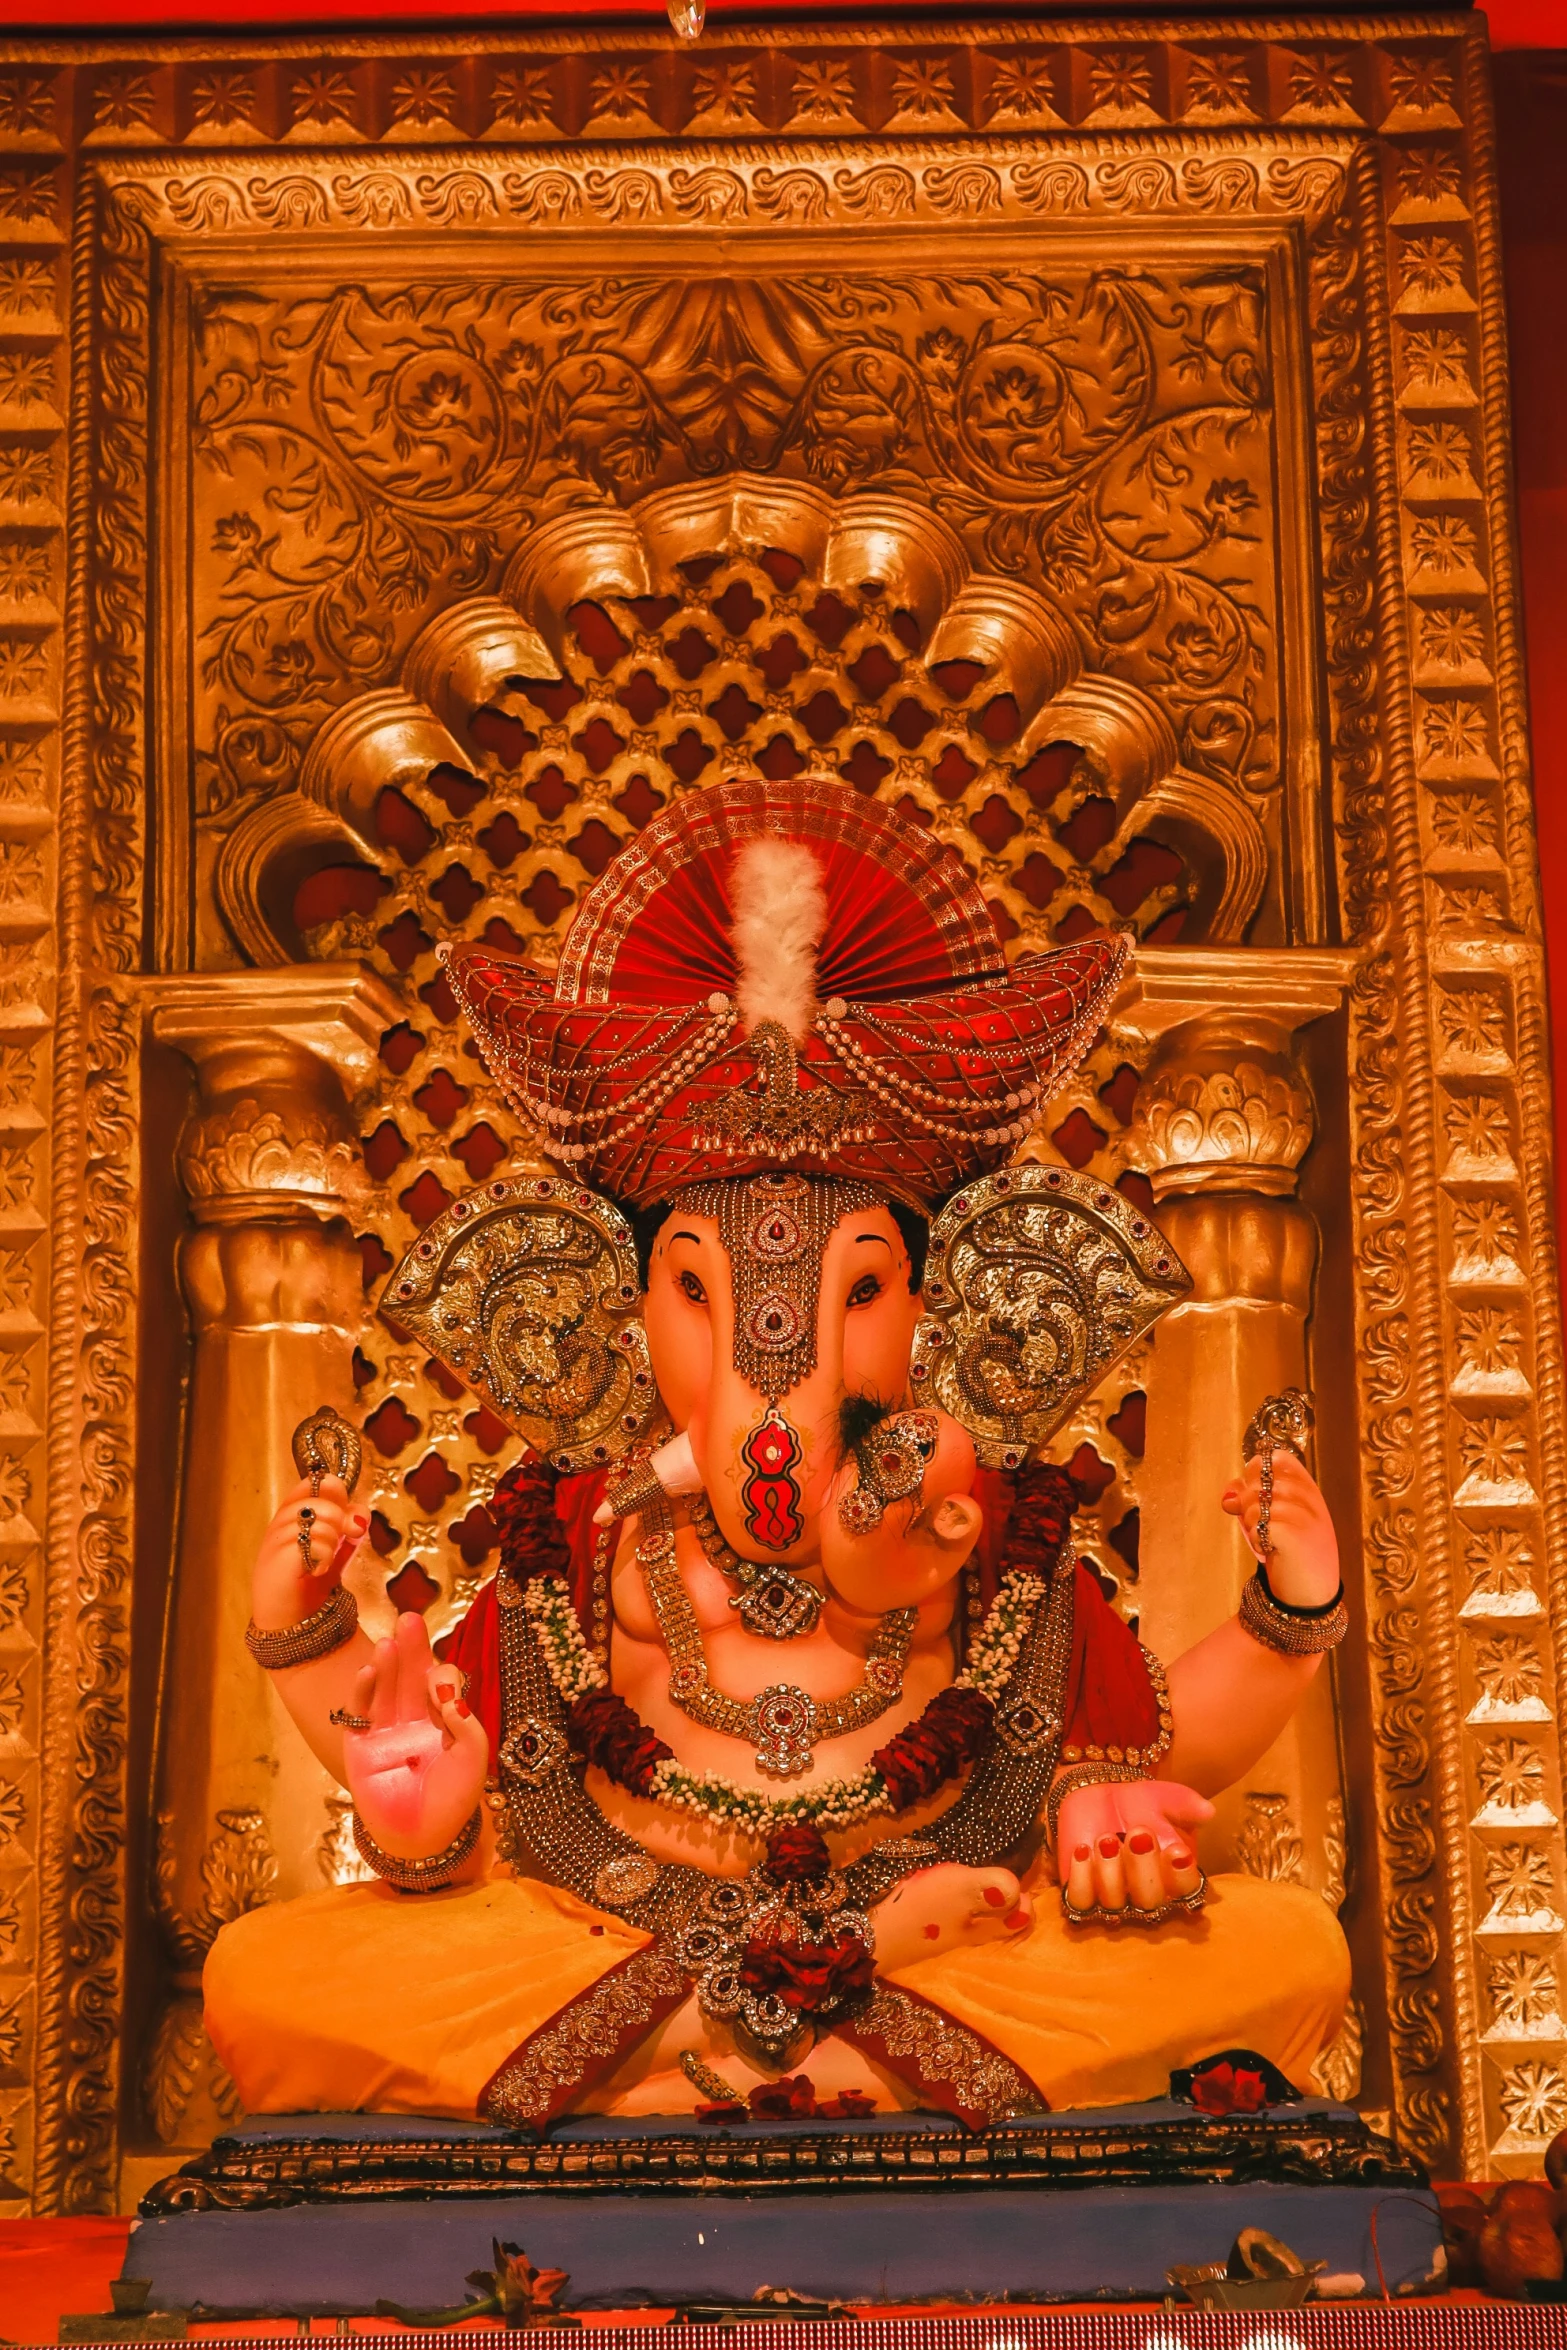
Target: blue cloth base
x,y
624,2249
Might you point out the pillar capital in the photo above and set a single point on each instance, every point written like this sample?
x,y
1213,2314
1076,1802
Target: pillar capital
x,y
279,1056
1223,1106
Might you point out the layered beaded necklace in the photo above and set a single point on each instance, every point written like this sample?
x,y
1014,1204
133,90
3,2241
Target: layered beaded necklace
x,y
782,1722
771,1601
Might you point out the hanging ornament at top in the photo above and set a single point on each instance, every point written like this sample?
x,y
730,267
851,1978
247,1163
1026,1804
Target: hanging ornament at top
x,y
687,18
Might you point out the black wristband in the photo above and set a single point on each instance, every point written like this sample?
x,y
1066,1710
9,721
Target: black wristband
x,y
1287,1607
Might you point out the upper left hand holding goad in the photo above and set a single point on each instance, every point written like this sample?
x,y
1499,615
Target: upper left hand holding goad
x,y
1302,1554
901,1518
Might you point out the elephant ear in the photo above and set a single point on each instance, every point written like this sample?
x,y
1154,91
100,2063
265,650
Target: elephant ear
x,y
528,1291
1037,1281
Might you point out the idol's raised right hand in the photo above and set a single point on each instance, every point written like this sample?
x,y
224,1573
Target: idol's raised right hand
x,y
416,1771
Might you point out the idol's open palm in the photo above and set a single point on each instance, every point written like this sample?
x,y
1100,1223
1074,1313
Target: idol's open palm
x,y
417,1771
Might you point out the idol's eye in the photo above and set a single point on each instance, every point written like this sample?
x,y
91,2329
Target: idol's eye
x,y
867,1287
693,1289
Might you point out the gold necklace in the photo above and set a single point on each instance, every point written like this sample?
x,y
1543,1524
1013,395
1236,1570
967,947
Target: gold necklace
x,y
783,1723
771,1602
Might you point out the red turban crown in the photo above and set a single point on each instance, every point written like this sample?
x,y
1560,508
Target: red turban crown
x,y
681,1041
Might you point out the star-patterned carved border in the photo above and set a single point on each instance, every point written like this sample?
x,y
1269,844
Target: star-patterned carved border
x,y
1370,142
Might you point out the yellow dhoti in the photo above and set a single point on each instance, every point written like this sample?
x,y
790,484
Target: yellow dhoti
x,y
363,2000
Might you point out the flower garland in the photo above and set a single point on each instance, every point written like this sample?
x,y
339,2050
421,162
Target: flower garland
x,y
954,1729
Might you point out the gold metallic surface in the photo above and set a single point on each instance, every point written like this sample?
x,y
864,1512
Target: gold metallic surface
x,y
527,1291
1037,1282
1159,368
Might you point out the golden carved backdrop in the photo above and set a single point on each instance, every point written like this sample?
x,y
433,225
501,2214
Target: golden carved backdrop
x,y
419,458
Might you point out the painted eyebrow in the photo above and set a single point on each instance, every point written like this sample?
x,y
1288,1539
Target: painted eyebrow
x,y
696,1236
876,1240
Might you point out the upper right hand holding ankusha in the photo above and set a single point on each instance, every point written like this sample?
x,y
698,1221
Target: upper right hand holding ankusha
x,y
284,1590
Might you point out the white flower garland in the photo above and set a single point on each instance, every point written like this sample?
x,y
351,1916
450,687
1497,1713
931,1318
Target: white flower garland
x,y
837,1803
573,1667
993,1657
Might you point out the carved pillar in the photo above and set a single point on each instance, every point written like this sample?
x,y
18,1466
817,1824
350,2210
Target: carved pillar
x,y
271,1171
1224,1116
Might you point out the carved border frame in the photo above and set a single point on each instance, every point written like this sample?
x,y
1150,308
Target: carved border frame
x,y
1459,1360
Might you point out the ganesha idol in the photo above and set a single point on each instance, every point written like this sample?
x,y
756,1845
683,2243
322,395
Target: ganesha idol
x,y
789,1743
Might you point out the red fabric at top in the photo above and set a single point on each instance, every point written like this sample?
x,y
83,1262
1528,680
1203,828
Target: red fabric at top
x,y
236,16
880,939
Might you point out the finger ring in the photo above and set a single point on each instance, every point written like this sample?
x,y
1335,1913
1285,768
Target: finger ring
x,y
342,1719
892,1462
1177,1905
307,1519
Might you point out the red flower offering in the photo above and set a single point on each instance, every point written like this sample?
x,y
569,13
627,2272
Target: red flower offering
x,y
1224,2089
797,1854
812,1978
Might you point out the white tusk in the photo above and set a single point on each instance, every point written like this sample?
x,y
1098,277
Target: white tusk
x,y
674,1465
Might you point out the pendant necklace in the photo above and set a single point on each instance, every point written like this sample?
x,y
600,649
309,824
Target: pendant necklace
x,y
783,1723
771,1602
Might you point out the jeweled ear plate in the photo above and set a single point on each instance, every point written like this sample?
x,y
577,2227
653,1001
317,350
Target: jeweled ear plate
x,y
1037,1280
527,1289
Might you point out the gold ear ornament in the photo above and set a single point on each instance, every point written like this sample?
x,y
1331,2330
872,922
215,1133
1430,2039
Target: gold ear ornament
x,y
527,1290
1037,1281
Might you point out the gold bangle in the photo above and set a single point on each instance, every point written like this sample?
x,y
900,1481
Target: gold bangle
x,y
318,1635
418,1876
629,1493
1290,1631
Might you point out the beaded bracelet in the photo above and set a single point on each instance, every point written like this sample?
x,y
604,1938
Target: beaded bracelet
x,y
1095,1774
418,1876
1287,1630
632,1488
318,1635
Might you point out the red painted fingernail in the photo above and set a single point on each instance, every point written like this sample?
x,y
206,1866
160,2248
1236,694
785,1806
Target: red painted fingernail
x,y
447,1692
1109,1846
933,1933
1015,1918
1140,1842
1180,1860
995,1896
1084,1852
464,1708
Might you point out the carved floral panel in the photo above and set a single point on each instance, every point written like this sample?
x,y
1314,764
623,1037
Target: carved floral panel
x,y
362,455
